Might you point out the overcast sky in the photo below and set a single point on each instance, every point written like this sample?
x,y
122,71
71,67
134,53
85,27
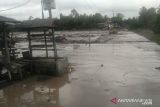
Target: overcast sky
x,y
129,8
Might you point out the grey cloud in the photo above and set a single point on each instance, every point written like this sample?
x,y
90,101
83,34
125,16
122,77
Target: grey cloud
x,y
128,7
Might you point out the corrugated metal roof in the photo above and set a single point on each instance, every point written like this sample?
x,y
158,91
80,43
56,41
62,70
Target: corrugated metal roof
x,y
6,19
9,23
38,23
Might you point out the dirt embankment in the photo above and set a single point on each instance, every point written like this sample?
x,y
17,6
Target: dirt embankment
x,y
82,36
149,34
94,36
71,37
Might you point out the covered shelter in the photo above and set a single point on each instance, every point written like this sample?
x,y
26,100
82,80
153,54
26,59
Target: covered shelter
x,y
42,30
7,26
38,29
7,49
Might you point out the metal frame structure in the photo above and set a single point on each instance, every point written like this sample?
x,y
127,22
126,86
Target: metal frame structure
x,y
45,28
6,48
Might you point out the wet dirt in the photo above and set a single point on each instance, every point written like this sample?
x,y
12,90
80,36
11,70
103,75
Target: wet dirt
x,y
123,67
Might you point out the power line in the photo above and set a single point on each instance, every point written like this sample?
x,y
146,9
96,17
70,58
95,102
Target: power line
x,y
16,6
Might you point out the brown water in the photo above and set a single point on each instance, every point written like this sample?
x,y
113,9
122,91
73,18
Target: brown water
x,y
124,67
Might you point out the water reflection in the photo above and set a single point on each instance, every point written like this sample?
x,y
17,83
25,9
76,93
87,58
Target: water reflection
x,y
33,93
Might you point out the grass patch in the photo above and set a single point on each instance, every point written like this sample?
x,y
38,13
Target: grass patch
x,y
149,34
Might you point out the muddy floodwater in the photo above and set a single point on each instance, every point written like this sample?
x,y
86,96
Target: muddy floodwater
x,y
125,67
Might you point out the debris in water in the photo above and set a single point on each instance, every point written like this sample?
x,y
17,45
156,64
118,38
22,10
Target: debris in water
x,y
53,102
48,99
52,90
1,94
42,90
158,68
107,90
70,69
24,86
102,65
74,78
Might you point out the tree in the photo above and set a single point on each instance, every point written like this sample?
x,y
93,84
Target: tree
x,y
156,28
118,19
120,16
133,23
79,21
147,17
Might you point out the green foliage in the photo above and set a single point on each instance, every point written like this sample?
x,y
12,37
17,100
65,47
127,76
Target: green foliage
x,y
79,21
156,27
148,19
118,19
133,23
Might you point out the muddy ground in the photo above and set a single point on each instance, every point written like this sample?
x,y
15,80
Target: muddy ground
x,y
71,37
124,66
83,37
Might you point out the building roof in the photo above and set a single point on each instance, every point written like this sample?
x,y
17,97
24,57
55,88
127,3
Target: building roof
x,y
9,23
35,25
38,23
6,19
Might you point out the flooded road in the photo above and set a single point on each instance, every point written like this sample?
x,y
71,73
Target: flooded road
x,y
125,67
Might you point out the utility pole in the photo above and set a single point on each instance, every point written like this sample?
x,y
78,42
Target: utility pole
x,y
50,13
42,9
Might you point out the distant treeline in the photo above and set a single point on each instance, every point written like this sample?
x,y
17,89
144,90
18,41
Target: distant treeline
x,y
148,19
83,21
79,21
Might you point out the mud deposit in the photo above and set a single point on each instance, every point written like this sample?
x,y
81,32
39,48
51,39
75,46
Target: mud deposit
x,y
122,67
